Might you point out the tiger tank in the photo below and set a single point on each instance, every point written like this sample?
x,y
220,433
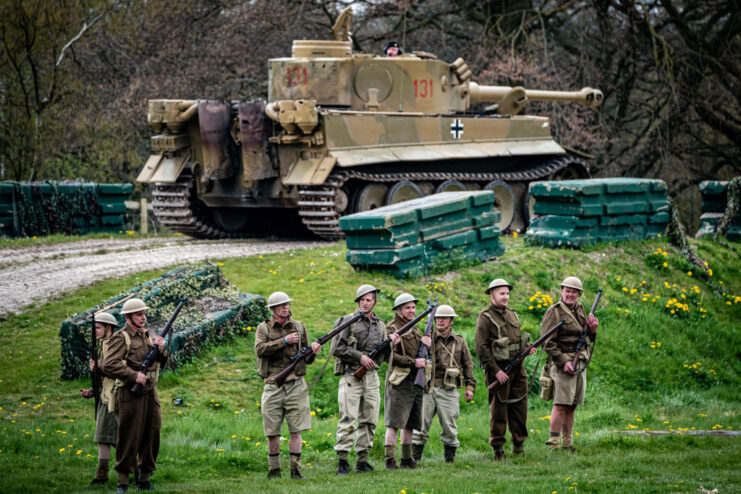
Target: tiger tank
x,y
343,132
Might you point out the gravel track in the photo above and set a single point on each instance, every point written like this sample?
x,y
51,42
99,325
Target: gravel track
x,y
30,274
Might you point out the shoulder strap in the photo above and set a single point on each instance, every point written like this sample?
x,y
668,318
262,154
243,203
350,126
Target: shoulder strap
x,y
127,341
452,353
488,316
568,311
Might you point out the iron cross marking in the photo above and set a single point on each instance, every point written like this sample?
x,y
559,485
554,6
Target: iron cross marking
x,y
456,129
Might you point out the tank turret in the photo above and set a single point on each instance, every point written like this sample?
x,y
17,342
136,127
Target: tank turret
x,y
343,132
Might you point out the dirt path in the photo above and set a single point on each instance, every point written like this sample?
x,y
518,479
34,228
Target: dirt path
x,y
38,273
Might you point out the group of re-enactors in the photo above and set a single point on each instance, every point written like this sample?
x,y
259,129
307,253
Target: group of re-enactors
x,y
131,422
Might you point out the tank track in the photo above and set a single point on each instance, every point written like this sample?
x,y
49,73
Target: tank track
x,y
318,204
175,208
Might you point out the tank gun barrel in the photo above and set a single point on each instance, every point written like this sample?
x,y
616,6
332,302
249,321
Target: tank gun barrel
x,y
512,99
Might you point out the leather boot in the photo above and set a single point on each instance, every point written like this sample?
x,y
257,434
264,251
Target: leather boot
x,y
408,463
518,449
296,474
343,468
499,453
363,466
391,464
417,450
449,453
274,473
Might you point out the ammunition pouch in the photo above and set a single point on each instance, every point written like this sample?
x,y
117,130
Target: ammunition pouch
x,y
546,383
500,349
452,378
398,374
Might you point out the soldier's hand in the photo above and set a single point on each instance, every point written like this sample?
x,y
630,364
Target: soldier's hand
x,y
141,378
367,362
533,350
160,342
502,377
420,363
92,365
87,393
395,338
427,341
292,338
568,368
592,323
469,395
316,347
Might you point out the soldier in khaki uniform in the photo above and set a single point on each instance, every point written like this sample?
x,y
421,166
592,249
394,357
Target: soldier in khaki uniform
x,y
568,386
499,340
276,341
359,400
452,368
402,399
106,422
139,417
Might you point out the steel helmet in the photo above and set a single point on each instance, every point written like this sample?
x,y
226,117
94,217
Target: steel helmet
x,y
573,282
364,290
402,299
133,305
445,311
497,283
278,298
106,318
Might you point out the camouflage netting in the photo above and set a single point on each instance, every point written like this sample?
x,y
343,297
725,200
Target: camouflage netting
x,y
72,208
215,312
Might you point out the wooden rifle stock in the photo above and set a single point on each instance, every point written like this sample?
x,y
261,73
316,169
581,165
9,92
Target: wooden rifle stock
x,y
137,389
280,378
424,351
583,336
387,342
515,362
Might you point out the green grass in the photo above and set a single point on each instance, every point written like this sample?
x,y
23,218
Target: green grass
x,y
60,238
210,448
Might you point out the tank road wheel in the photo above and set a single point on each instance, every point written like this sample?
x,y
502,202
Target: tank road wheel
x,y
504,201
450,186
426,187
233,220
519,221
371,197
403,191
574,170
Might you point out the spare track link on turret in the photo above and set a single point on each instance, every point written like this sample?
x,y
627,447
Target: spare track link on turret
x,y
318,204
174,207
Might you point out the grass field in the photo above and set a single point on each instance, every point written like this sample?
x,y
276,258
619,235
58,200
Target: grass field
x,y
653,369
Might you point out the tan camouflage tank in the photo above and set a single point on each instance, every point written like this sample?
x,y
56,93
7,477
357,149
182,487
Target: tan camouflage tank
x,y
343,132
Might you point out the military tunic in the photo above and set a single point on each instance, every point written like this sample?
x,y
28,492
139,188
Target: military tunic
x,y
106,422
291,400
403,402
449,351
509,403
139,417
359,400
561,347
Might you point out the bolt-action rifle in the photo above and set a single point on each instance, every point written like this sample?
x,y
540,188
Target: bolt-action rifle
x,y
515,362
381,347
424,351
306,352
583,336
137,389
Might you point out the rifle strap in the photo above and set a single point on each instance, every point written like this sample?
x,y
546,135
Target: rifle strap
x,y
591,354
319,376
530,386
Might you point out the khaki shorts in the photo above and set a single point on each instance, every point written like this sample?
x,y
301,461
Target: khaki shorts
x,y
568,389
290,401
106,425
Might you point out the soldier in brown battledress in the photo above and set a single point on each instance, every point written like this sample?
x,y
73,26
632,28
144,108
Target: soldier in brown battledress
x,y
402,399
139,417
499,340
568,384
276,341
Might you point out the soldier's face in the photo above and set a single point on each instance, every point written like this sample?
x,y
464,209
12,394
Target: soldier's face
x,y
408,311
443,324
138,319
392,51
569,295
281,311
100,330
367,302
500,296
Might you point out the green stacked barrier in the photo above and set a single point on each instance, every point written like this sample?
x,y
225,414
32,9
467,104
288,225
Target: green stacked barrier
x,y
408,238
215,312
575,213
75,208
714,203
